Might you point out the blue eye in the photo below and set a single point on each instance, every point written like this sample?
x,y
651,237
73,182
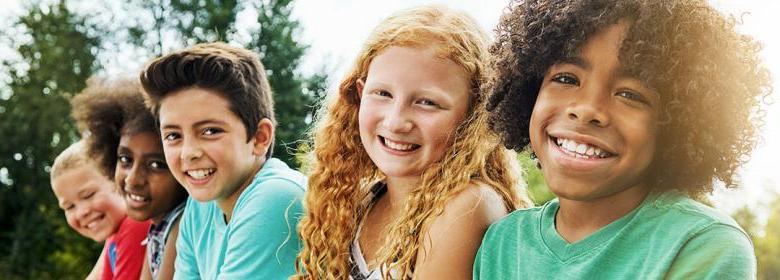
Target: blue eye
x,y
566,78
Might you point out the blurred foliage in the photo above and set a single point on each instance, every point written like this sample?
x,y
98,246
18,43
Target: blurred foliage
x,y
57,51
537,188
766,240
55,62
274,38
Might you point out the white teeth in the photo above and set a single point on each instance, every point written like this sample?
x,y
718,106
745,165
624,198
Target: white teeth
x,y
136,197
200,173
581,150
398,146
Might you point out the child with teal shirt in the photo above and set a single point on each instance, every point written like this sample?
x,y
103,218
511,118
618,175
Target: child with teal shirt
x,y
632,109
215,112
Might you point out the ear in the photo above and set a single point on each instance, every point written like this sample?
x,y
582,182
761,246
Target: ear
x,y
264,136
359,84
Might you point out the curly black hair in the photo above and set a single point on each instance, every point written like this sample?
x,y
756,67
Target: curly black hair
x,y
710,78
104,111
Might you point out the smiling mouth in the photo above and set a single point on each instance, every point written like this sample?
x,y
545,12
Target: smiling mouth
x,y
137,198
200,174
398,146
580,150
94,222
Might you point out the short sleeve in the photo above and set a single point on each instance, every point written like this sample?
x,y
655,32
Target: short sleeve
x,y
130,249
717,252
185,265
263,241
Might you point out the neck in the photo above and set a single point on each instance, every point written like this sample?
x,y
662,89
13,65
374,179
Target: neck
x,y
578,219
228,203
398,190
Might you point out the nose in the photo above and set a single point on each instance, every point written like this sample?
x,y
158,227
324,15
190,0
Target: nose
x,y
397,119
135,176
190,151
82,210
589,108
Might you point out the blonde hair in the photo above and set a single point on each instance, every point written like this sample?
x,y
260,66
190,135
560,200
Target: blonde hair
x,y
72,157
342,173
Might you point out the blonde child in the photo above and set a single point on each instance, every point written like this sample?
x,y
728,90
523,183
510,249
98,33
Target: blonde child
x,y
405,175
94,210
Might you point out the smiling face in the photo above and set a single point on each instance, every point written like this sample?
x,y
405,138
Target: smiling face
x,y
411,103
91,206
143,177
593,127
206,145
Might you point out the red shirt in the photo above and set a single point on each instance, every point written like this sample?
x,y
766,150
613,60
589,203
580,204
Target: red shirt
x,y
124,255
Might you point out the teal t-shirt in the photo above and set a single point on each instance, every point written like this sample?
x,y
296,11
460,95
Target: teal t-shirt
x,y
261,240
668,236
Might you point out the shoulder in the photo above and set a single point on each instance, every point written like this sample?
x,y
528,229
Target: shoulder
x,y
276,173
130,228
716,252
676,208
519,217
477,201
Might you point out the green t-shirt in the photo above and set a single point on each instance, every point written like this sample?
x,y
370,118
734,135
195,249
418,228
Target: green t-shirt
x,y
668,236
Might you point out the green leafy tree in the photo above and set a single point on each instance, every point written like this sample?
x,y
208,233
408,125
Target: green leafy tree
x,y
294,96
57,57
275,40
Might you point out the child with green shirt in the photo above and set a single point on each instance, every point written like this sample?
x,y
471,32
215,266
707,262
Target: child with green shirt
x,y
632,108
215,112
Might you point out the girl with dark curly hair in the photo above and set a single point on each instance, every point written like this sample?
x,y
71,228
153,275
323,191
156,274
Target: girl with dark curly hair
x,y
123,137
632,108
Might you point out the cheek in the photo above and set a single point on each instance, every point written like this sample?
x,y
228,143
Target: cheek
x,y
72,222
164,186
367,120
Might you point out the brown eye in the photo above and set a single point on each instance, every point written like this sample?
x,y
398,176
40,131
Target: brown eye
x,y
633,96
566,78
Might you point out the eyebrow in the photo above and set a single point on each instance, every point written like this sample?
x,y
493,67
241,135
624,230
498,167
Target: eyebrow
x,y
199,123
576,61
580,62
146,155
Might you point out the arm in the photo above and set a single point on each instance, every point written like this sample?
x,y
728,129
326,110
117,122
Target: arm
x,y
718,252
451,243
146,273
169,256
263,241
97,270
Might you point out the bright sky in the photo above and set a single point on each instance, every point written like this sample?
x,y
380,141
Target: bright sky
x,y
335,30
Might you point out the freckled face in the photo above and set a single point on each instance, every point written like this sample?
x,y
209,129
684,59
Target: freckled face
x,y
593,127
144,180
91,206
411,103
